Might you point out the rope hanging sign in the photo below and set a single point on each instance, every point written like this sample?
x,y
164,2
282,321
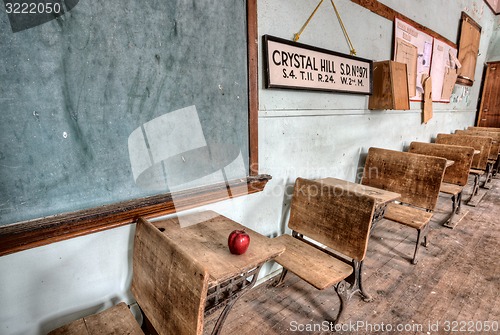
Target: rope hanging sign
x,y
342,26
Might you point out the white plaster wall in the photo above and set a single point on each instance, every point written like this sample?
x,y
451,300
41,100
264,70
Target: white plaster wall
x,y
494,47
306,134
45,287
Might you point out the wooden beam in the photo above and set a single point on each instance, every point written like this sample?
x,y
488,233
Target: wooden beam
x,y
253,87
491,4
390,14
34,233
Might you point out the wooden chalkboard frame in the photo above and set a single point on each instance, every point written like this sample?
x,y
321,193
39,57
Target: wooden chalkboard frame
x,y
37,232
390,14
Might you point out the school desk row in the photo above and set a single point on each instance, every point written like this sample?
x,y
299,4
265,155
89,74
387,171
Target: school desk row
x,y
183,270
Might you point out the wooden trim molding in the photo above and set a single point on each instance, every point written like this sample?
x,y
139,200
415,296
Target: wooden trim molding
x,y
34,233
465,17
491,4
253,87
390,14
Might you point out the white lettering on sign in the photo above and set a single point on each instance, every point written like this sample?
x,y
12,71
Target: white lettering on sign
x,y
294,65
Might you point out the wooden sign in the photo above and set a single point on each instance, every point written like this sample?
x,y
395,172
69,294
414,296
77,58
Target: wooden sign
x,y
427,112
294,65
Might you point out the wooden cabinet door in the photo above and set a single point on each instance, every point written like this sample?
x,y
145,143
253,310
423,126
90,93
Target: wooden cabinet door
x,y
489,112
468,49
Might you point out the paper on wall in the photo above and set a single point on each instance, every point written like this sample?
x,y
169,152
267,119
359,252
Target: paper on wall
x,y
407,53
450,78
423,43
443,59
427,112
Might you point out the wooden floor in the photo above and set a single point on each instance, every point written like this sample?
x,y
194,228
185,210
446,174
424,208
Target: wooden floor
x,y
456,282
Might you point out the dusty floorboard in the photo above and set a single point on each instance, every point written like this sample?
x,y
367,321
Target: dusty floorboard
x,y
455,283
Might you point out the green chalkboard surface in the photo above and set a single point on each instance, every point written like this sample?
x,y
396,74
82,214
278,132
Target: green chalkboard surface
x,y
115,100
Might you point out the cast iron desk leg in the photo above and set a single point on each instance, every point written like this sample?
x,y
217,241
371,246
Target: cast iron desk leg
x,y
235,288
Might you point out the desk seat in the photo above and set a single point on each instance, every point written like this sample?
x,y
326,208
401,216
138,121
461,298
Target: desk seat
x,y
297,258
450,188
416,177
455,176
115,320
335,215
480,165
409,216
477,172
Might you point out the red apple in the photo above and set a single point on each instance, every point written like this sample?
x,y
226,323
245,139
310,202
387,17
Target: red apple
x,y
238,242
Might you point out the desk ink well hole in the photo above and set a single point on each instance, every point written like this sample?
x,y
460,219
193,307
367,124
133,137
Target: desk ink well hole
x,y
161,229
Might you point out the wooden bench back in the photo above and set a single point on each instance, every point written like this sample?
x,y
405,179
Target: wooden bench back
x,y
482,144
458,173
495,135
170,287
416,177
484,128
336,217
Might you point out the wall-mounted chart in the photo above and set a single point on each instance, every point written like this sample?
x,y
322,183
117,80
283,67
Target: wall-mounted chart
x,y
406,36
443,70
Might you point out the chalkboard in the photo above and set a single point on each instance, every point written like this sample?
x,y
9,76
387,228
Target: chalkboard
x,y
78,89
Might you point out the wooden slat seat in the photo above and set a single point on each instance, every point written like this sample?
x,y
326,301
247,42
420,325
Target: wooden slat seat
x,y
409,216
477,172
338,218
115,320
168,284
451,188
455,176
326,271
416,177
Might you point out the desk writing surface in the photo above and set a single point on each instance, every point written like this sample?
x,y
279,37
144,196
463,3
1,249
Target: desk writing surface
x,y
206,241
380,196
